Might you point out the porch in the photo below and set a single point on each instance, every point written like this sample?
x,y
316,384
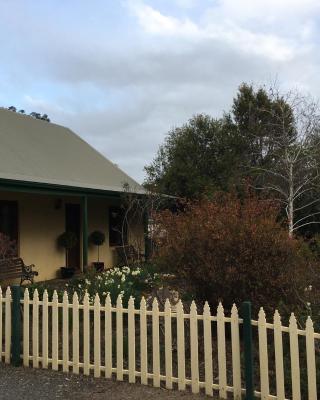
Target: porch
x,y
34,215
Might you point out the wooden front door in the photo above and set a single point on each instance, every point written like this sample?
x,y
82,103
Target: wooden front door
x,y
73,224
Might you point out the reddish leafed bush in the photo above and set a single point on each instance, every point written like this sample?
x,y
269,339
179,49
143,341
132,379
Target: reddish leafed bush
x,y
231,250
8,247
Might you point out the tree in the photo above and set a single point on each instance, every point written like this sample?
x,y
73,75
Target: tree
x,y
200,157
255,114
33,114
43,117
284,131
206,154
269,138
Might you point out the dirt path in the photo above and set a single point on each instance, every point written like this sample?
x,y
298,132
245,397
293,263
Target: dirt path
x,y
38,384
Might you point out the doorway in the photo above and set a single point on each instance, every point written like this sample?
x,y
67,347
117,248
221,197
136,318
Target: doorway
x,y
73,224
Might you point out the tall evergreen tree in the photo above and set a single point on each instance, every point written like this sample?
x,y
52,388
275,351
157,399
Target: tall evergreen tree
x,y
200,157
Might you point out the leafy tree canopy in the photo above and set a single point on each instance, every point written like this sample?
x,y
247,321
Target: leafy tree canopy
x,y
33,114
207,154
196,158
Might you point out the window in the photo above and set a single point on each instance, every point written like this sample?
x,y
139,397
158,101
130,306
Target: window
x,y
118,231
9,220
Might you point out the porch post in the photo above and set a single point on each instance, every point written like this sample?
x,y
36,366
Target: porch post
x,y
84,232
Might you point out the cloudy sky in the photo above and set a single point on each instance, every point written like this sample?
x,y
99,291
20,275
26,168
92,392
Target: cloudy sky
x,y
122,73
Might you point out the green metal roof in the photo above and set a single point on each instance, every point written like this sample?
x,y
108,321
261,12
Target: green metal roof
x,y
36,151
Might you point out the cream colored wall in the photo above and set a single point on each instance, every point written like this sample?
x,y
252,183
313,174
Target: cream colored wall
x,y
41,222
39,226
98,219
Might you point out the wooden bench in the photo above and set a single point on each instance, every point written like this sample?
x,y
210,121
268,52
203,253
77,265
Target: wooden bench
x,y
16,268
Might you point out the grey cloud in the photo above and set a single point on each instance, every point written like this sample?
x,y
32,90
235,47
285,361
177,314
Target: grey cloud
x,y
175,87
152,85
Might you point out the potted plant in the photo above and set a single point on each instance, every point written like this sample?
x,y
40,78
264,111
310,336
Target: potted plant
x,y
97,238
67,240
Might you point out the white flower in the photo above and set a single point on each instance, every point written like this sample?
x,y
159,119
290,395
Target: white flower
x,y
123,278
118,286
87,282
310,287
308,304
79,286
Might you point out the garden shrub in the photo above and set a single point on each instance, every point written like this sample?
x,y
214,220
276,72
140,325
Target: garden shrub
x,y
8,247
135,281
232,250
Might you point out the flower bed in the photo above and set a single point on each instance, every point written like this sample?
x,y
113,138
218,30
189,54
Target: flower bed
x,y
136,281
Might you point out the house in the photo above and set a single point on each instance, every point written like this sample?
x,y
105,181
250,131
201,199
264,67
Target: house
x,y
52,181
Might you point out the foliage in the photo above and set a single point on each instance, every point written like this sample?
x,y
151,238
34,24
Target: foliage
x,y
199,157
8,247
207,154
97,238
283,133
67,240
33,114
135,281
41,287
232,250
257,114
270,138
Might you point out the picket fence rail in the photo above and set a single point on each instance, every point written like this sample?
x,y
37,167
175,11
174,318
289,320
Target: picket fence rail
x,y
144,343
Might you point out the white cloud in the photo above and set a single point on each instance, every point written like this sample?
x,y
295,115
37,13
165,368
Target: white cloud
x,y
268,10
152,21
41,105
186,3
218,26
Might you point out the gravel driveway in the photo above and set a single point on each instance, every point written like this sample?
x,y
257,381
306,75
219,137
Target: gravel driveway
x,y
30,384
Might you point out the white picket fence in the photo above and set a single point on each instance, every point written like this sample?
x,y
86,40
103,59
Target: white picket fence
x,y
162,346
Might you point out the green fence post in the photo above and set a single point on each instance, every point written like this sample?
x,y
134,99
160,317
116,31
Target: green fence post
x,y
16,326
248,349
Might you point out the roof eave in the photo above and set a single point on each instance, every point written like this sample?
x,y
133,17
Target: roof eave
x,y
56,189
